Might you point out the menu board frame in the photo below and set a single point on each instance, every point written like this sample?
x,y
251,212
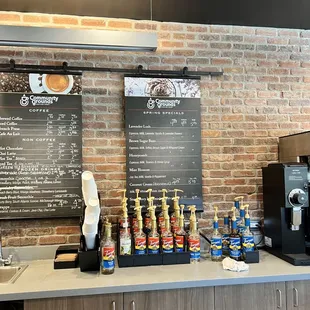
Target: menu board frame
x,y
41,131
148,99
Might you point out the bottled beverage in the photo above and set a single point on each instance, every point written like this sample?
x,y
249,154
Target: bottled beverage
x,y
125,241
140,239
234,239
175,216
107,247
193,238
167,237
161,216
135,226
247,237
153,239
225,235
180,234
216,240
241,223
147,216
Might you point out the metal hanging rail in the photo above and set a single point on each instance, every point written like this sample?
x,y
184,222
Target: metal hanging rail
x,y
12,67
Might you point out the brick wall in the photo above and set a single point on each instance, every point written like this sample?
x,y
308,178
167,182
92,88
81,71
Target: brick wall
x,y
263,94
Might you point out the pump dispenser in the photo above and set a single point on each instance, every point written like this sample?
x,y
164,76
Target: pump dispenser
x,y
125,235
193,238
175,216
225,235
140,238
241,222
216,240
164,210
138,209
153,239
247,237
167,236
180,234
234,239
123,221
147,216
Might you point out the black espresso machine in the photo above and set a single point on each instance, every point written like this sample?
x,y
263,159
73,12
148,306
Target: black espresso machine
x,y
286,201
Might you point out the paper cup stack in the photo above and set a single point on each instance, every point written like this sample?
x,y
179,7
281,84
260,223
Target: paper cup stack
x,y
92,211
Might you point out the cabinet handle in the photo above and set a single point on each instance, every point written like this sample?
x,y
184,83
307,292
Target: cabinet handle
x,y
279,306
295,297
133,305
113,305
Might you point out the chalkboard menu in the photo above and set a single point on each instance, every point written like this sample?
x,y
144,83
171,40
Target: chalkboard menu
x,y
40,152
163,138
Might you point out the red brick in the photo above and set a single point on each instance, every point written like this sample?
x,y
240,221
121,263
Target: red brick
x,y
171,27
271,32
288,33
39,231
198,28
52,240
172,44
244,173
234,181
300,118
210,133
36,18
9,17
233,117
221,61
119,24
22,241
93,22
220,29
65,20
74,239
244,157
246,190
145,26
67,230
220,174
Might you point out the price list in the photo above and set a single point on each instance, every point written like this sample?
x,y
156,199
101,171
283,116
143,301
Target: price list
x,y
163,141
40,155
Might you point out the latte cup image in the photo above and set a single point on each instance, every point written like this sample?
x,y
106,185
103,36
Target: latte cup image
x,y
57,83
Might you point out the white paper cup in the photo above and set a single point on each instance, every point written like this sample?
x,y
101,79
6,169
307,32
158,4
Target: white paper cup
x,y
90,239
90,224
89,187
93,208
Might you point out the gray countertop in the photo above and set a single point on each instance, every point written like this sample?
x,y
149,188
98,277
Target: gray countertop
x,y
40,280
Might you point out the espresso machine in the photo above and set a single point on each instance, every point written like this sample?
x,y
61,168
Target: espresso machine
x,y
286,201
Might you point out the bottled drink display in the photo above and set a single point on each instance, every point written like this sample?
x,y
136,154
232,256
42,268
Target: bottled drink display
x,y
164,207
107,248
153,239
216,240
241,223
140,237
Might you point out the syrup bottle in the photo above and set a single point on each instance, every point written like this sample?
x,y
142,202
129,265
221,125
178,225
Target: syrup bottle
x,y
225,235
216,240
161,217
175,216
193,238
247,237
180,234
147,216
153,239
167,236
234,239
107,252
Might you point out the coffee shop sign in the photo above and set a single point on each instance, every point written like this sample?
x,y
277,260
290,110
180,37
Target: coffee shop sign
x,y
37,100
162,103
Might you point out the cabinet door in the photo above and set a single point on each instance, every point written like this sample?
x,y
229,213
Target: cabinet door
x,y
298,295
181,299
267,296
102,302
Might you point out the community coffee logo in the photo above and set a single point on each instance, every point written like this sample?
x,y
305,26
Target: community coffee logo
x,y
162,103
37,100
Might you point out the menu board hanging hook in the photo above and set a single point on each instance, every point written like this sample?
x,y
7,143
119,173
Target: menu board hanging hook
x,y
12,64
140,69
65,66
184,71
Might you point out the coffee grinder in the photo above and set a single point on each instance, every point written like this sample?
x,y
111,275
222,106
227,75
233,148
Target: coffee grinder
x,y
285,195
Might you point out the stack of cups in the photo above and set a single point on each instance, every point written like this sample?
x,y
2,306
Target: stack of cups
x,y
92,211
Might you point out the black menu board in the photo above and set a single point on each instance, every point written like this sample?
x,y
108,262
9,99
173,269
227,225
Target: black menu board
x,y
163,138
40,154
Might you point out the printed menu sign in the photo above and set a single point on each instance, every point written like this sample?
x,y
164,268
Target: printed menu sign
x,y
163,138
41,147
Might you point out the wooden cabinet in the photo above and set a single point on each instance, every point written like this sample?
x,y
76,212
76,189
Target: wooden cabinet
x,y
181,299
102,302
265,296
298,295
